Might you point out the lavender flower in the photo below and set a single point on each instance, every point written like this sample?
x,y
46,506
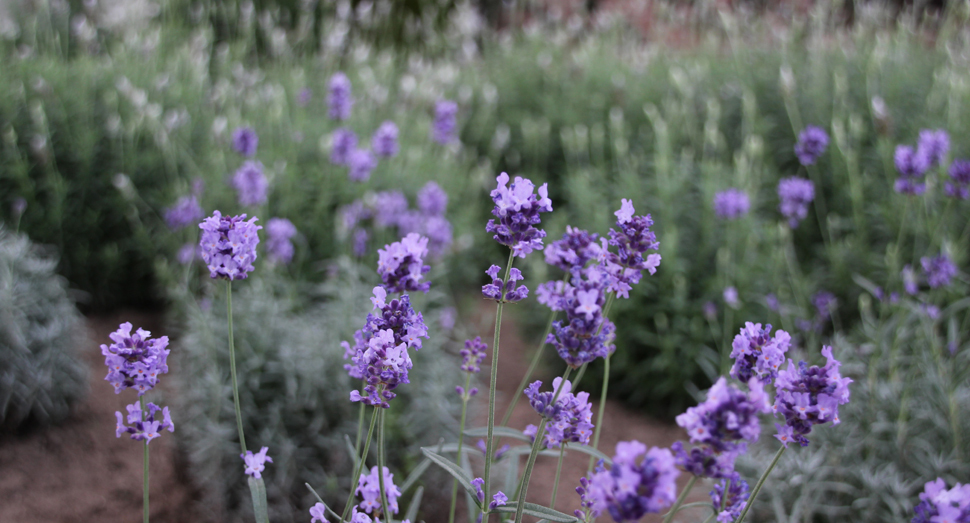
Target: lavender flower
x,y
625,267
727,417
369,486
446,318
811,144
384,141
473,354
728,508
939,505
143,425
480,444
933,146
807,396
388,208
244,141
385,366
251,184
730,295
756,354
585,334
135,360
278,244
185,212
445,124
508,294
731,204
344,142
704,461
909,280
576,248
228,245
432,199
361,163
517,210
498,500
939,270
570,418
631,489
587,501
912,166
187,253
256,463
795,195
551,294
824,302
339,99
959,184
318,513
401,264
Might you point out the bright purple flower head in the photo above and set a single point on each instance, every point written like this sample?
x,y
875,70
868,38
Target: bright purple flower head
x,y
704,461
369,487
933,146
576,248
756,354
795,195
244,141
361,163
318,513
912,166
445,122
625,267
135,360
731,204
401,264
384,141
811,144
959,184
432,199
229,245
939,505
251,184
508,292
807,396
517,210
473,354
185,212
727,417
729,508
570,418
279,231
630,488
339,99
585,334
384,366
143,425
256,463
344,142
939,270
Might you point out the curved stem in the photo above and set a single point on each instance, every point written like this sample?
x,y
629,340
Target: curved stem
x,y
232,369
680,499
360,428
761,482
461,439
380,463
555,483
602,407
360,464
144,500
528,373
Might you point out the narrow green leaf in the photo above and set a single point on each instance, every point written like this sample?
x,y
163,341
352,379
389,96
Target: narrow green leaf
x,y
258,490
451,468
350,450
538,511
325,506
412,512
507,432
415,474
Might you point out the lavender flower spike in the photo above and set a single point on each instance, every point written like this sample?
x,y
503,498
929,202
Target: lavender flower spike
x,y
229,245
244,141
185,212
731,204
811,144
135,360
343,143
633,486
808,396
401,264
251,184
445,124
361,163
939,270
959,184
143,425
384,141
937,504
256,463
508,294
933,145
368,486
625,267
757,354
517,210
339,99
278,245
795,195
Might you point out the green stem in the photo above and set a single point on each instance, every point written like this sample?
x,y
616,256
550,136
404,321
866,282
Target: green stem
x,y
380,463
761,482
232,368
710,518
360,429
490,443
599,412
360,464
680,499
555,484
528,373
144,499
461,439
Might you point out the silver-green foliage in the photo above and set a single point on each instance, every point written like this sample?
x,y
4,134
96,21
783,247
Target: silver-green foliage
x,y
294,394
41,375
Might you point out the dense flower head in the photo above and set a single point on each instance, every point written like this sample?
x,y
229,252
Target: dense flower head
x,y
401,264
385,365
143,425
185,212
939,505
340,101
343,143
585,334
731,204
551,294
245,141
633,487
728,417
389,209
432,199
473,354
933,146
625,267
703,461
729,507
507,292
939,270
250,183
812,142
912,166
279,231
795,195
756,354
572,414
959,184
517,209
587,501
256,463
360,162
369,487
807,396
574,250
229,245
445,122
135,360
384,141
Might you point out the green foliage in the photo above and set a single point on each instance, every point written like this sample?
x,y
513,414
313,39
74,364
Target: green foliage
x,y
41,374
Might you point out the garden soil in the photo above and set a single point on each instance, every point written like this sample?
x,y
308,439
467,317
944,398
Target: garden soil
x,y
79,471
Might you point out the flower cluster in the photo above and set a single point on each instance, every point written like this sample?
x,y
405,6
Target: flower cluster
x,y
630,488
143,425
585,334
279,232
939,270
517,210
757,354
473,354
937,504
959,184
445,124
245,141
807,396
251,184
498,500
731,204
390,209
369,487
343,143
729,507
401,264
506,293
587,502
912,164
361,162
256,463
571,416
574,250
812,142
185,212
384,141
625,267
229,245
795,195
135,360
339,99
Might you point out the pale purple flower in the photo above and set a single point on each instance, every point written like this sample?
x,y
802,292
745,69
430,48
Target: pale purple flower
x,y
446,318
729,509
256,463
384,141
569,419
473,354
369,487
251,184
939,270
731,204
625,267
401,264
229,245
959,184
187,253
939,505
143,425
244,141
135,360
432,199
339,99
756,354
445,122
361,163
807,396
585,334
576,248
279,231
508,292
728,418
344,142
633,487
185,212
912,166
731,297
318,513
517,210
933,146
795,195
811,144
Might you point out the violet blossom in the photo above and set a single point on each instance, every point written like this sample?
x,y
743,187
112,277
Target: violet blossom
x,y
244,141
473,354
728,508
517,210
339,98
933,145
184,212
912,166
959,184
143,425
279,231
445,122
135,360
401,264
343,143
807,396
361,162
940,505
756,354
506,293
633,486
731,204
795,195
625,267
384,141
369,487
728,418
576,248
229,245
251,184
812,142
939,270
569,420
256,463
585,334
